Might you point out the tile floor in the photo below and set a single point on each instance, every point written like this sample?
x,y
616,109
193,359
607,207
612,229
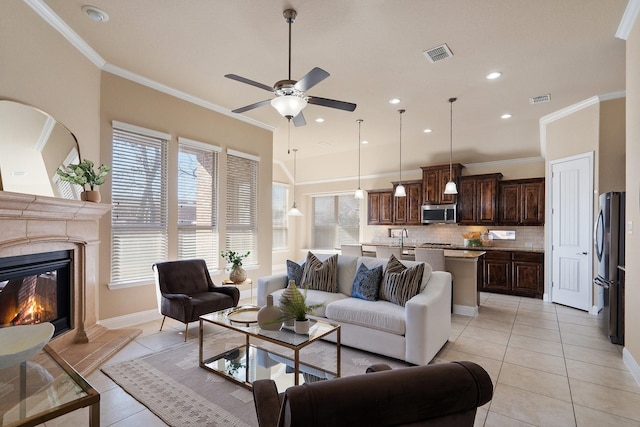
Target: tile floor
x,y
550,365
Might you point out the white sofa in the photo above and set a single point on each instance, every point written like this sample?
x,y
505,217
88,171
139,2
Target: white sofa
x,y
414,333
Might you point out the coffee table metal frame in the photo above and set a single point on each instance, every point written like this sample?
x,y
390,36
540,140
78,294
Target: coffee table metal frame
x,y
284,338
88,396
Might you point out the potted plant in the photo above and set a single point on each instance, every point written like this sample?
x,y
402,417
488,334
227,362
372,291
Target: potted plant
x,y
295,307
237,275
83,174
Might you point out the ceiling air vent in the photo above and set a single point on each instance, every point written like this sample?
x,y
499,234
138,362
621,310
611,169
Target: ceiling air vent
x,y
540,99
438,53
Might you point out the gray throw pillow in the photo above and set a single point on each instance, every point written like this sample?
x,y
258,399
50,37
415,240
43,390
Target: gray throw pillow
x,y
294,272
322,276
400,283
366,283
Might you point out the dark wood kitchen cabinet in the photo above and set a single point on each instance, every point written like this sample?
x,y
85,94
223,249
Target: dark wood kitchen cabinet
x,y
477,199
521,202
514,273
434,179
379,207
407,210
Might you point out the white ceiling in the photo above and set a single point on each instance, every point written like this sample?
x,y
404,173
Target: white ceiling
x,y
373,51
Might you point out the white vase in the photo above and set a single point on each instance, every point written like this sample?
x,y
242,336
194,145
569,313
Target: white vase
x,y
301,326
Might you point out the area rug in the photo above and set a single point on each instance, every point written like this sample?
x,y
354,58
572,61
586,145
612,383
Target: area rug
x,y
172,385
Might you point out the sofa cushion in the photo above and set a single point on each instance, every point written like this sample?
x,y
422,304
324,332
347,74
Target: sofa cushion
x,y
366,284
400,283
321,276
381,315
294,272
314,297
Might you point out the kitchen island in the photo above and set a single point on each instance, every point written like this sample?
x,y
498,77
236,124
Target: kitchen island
x,y
464,265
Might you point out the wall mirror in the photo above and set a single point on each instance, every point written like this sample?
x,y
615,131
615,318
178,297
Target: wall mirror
x,y
32,147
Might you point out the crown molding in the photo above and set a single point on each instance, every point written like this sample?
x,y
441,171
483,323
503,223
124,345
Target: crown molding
x,y
46,13
628,19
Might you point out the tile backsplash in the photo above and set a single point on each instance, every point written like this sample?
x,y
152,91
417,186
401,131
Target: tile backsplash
x,y
526,237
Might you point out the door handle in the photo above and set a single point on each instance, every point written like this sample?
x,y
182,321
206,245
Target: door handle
x,y
583,253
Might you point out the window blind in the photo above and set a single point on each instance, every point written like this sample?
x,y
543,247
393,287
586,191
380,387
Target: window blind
x,y
242,205
279,205
336,221
139,196
198,202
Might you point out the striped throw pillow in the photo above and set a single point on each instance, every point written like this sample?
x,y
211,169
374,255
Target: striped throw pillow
x,y
400,283
322,276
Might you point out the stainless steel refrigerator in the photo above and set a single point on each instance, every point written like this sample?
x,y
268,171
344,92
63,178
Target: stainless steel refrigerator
x,y
609,249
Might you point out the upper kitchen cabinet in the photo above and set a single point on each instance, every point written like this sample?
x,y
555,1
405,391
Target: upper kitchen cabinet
x,y
477,199
521,202
434,179
406,210
379,207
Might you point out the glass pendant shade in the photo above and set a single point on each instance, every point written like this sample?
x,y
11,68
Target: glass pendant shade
x,y
294,211
359,194
289,105
400,192
450,188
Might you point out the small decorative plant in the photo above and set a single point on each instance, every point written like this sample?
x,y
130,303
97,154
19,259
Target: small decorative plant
x,y
234,258
295,306
83,173
472,239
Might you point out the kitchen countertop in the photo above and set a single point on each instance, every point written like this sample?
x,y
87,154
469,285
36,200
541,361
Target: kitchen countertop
x,y
411,246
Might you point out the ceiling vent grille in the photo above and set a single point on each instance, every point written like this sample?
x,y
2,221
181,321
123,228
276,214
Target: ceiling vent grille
x,y
540,99
438,53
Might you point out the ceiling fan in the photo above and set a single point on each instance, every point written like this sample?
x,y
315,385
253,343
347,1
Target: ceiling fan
x,y
290,94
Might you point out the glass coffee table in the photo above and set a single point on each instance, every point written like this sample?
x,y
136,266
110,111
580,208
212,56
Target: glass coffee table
x,y
42,388
262,354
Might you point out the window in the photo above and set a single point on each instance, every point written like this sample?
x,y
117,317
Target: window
x,y
66,189
279,216
242,205
139,197
198,201
336,221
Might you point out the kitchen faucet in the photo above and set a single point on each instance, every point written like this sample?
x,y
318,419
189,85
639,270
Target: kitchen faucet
x,y
404,233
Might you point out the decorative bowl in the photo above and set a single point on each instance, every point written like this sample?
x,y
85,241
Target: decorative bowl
x,y
19,343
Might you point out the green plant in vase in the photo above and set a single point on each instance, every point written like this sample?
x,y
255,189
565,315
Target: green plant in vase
x,y
83,174
237,275
295,307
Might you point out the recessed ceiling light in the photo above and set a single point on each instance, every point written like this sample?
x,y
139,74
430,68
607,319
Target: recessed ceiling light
x,y
324,144
505,116
427,131
394,101
365,141
319,120
95,14
493,75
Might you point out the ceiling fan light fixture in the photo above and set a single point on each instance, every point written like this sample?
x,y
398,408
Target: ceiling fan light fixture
x,y
289,106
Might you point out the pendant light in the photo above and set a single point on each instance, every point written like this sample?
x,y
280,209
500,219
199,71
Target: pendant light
x,y
294,211
359,194
451,188
400,192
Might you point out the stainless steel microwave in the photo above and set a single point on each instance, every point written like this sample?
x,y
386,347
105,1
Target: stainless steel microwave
x,y
438,214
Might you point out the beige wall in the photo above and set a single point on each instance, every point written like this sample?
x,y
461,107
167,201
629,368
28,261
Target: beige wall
x,y
129,102
611,156
632,297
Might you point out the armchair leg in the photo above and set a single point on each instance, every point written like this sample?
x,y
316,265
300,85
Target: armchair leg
x,y
186,331
162,324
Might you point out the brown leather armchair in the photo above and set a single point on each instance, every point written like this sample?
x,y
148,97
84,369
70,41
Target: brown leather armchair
x,y
185,291
445,394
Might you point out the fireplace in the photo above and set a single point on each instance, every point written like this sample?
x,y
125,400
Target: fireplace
x,y
37,288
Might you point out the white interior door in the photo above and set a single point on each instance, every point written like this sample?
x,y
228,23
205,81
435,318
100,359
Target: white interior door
x,y
571,219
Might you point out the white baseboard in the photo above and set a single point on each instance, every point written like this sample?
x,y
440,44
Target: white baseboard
x,y
631,365
465,310
594,310
546,297
129,320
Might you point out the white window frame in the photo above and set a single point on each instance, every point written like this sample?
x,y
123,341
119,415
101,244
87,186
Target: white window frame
x,y
283,225
199,239
135,246
242,209
336,226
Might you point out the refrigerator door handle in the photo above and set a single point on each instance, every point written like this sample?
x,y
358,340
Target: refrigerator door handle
x,y
599,281
598,240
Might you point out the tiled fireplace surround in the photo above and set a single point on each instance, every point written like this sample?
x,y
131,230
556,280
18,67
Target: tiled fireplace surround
x,y
36,224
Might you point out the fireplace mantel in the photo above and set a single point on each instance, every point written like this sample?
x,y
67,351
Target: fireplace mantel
x,y
34,224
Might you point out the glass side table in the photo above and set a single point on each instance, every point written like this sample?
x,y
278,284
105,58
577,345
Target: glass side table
x,y
43,388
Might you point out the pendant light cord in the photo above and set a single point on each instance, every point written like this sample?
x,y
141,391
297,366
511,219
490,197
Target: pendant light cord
x,y
359,144
401,112
451,101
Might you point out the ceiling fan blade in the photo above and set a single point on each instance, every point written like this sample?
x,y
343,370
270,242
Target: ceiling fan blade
x,y
311,79
251,107
299,120
249,82
331,103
